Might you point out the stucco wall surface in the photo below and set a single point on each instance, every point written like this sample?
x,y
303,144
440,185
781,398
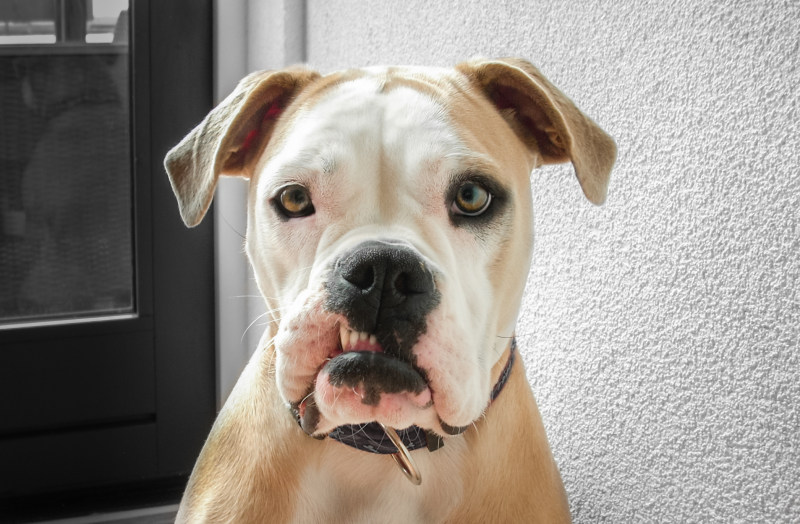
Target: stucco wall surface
x,y
659,331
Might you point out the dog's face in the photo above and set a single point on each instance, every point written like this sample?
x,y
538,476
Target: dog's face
x,y
390,227
406,240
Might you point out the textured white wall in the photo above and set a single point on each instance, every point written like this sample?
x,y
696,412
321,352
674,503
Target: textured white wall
x,y
660,331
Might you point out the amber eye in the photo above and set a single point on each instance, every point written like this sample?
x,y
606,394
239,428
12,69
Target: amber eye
x,y
472,199
294,201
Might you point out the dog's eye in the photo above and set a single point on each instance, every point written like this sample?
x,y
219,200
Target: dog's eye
x,y
472,199
294,201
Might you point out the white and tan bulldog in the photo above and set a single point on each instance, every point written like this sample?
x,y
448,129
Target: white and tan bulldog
x,y
390,230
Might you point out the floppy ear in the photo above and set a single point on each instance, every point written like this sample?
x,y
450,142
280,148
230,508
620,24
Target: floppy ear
x,y
230,137
546,120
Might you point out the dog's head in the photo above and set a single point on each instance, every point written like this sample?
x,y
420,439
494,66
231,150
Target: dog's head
x,y
389,225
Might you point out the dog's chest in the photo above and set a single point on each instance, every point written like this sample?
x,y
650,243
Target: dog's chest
x,y
359,487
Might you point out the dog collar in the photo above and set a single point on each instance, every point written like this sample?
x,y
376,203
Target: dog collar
x,y
373,437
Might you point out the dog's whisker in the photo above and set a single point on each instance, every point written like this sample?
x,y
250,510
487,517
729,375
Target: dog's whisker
x,y
274,313
278,308
310,394
232,228
259,317
336,399
271,312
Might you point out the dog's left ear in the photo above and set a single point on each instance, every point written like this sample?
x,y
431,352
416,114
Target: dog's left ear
x,y
546,120
230,137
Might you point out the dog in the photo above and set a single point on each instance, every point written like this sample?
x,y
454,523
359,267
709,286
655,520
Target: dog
x,y
390,232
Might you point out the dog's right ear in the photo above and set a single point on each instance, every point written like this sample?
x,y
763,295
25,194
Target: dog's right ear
x,y
230,138
546,120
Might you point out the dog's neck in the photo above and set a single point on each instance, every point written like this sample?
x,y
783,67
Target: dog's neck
x,y
371,437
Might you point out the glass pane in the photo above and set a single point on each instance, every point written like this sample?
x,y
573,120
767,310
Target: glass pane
x,y
27,22
65,164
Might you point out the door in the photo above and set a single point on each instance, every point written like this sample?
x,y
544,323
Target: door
x,y
106,300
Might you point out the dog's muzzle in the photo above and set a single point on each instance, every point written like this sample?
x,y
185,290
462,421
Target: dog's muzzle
x,y
385,292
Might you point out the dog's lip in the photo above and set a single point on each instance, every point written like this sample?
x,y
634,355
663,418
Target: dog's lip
x,y
358,347
360,377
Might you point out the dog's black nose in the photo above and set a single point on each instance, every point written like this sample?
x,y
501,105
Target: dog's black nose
x,y
382,275
383,289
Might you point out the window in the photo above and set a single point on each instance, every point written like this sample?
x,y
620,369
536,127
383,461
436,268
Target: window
x,y
66,249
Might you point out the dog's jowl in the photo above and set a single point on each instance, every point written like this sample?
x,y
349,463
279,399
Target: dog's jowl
x,y
390,232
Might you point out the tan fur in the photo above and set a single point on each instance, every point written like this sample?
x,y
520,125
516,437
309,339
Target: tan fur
x,y
258,465
511,474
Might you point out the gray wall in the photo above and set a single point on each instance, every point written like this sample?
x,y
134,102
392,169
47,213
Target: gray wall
x,y
249,35
659,331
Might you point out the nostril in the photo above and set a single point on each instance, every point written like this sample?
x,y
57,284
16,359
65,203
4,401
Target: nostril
x,y
361,276
402,284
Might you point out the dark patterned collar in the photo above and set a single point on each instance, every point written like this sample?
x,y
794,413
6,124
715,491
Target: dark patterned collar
x,y
371,437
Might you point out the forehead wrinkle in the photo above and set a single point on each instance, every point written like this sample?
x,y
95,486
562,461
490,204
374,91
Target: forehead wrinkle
x,y
328,164
418,126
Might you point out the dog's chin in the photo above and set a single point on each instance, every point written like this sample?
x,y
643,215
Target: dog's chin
x,y
357,387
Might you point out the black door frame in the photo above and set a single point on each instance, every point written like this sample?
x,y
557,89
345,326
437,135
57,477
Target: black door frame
x,y
67,435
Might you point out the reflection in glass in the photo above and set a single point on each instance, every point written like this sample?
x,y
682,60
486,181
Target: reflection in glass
x,y
65,180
